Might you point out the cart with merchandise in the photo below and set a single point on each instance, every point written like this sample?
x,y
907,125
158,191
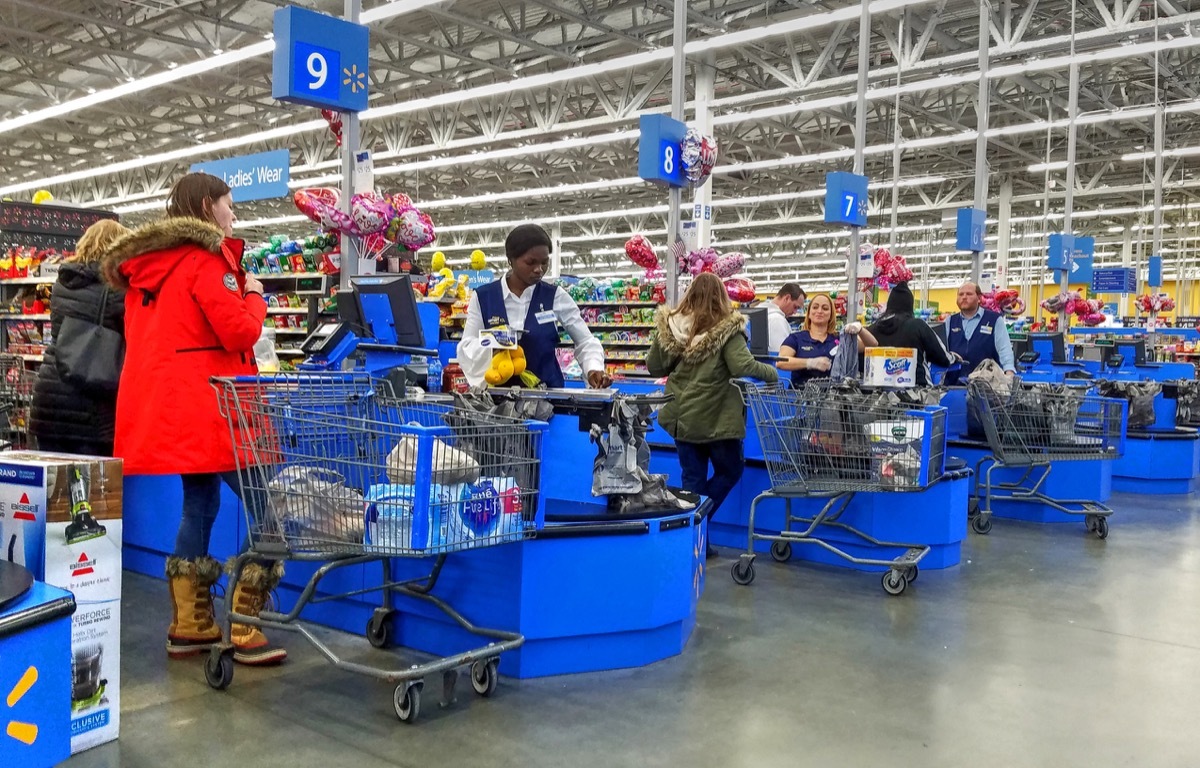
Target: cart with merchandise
x,y
1031,427
832,442
338,470
16,395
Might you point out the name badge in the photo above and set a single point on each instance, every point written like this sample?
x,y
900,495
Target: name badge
x,y
806,349
545,316
956,330
987,330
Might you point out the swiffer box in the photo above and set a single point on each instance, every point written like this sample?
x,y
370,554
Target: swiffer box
x,y
60,517
890,367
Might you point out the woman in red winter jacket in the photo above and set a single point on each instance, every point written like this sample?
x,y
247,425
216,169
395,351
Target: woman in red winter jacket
x,y
191,313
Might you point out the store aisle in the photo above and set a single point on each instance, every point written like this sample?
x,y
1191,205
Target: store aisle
x,y
1046,648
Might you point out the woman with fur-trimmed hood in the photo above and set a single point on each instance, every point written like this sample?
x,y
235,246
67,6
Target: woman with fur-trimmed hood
x,y
191,313
701,346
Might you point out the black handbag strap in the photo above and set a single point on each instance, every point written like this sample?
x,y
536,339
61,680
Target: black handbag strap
x,y
103,306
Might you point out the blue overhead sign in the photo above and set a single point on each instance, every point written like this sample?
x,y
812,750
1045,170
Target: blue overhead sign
x,y
319,60
1154,279
845,199
972,226
659,145
1072,253
1114,280
253,177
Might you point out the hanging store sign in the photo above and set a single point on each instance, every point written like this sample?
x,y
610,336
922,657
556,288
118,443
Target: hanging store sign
x,y
845,199
1154,279
1119,280
972,226
659,150
252,177
319,60
1072,253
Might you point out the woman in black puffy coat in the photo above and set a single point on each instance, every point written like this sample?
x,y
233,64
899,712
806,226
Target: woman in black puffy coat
x,y
66,418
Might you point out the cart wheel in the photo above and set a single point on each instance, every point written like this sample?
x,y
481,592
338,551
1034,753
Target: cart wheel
x,y
894,583
379,630
973,507
743,573
485,676
407,701
981,524
910,574
781,551
1099,526
218,670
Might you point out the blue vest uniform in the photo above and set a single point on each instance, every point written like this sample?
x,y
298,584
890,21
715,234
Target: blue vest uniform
x,y
981,346
539,340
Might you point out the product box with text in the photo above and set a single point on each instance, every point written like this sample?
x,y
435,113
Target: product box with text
x,y
890,367
60,516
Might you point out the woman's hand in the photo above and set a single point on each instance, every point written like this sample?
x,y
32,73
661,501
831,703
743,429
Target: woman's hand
x,y
822,364
791,363
598,379
854,328
253,285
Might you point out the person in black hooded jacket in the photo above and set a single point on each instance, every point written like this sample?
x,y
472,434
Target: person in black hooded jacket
x,y
900,328
63,417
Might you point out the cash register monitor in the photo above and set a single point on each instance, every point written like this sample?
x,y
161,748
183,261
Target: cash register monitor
x,y
389,309
756,327
1052,347
1132,350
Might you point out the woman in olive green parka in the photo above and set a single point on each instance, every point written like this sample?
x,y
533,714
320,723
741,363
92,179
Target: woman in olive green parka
x,y
701,347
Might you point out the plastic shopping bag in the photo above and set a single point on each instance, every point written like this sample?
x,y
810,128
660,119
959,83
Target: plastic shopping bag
x,y
316,503
1139,394
450,465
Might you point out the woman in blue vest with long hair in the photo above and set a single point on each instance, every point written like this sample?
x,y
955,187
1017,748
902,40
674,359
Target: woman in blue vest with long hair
x,y
808,353
521,300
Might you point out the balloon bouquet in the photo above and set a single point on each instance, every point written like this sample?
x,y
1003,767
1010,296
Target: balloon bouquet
x,y
1154,303
1006,302
378,221
1073,303
725,266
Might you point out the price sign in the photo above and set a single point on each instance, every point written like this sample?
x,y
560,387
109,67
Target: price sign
x,y
319,60
659,150
845,199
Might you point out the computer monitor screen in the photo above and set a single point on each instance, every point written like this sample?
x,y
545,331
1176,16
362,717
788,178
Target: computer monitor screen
x,y
350,313
389,309
1133,350
756,326
1051,346
1020,345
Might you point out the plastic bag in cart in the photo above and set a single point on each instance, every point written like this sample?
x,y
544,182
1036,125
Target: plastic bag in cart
x,y
1187,402
450,465
998,389
621,468
316,503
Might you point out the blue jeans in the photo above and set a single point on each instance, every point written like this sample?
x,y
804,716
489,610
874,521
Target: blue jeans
x,y
728,461
202,502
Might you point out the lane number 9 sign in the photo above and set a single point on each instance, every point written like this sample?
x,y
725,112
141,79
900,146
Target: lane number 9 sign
x,y
317,70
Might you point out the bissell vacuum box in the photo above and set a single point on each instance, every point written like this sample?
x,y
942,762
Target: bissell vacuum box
x,y
890,367
60,517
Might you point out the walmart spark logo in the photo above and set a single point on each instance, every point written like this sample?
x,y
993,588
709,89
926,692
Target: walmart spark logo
x,y
26,733
353,78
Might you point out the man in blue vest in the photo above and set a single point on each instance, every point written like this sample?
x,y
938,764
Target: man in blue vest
x,y
521,300
976,334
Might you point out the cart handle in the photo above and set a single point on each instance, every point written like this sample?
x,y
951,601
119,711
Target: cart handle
x,y
375,347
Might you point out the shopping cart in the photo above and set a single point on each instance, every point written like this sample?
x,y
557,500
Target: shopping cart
x,y
336,469
1034,426
833,442
16,395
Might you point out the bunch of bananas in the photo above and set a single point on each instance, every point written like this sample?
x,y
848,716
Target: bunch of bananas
x,y
506,363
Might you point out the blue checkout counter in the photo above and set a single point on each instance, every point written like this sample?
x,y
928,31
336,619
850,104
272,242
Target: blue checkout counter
x,y
1162,458
35,670
592,592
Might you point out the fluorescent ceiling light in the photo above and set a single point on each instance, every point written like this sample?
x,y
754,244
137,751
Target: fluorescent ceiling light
x,y
1057,165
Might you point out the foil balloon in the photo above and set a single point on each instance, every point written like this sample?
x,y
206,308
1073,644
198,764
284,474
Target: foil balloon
x,y
335,124
641,252
478,260
321,205
698,154
370,212
399,200
740,289
438,261
42,196
728,265
375,244
411,229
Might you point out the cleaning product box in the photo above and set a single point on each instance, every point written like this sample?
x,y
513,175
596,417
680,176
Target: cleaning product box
x,y
890,367
60,517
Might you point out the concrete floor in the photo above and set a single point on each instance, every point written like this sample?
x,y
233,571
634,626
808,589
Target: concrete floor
x,y
1046,647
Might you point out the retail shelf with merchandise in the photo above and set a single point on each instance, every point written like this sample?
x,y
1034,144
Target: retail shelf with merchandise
x,y
287,310
287,275
36,280
618,304
43,316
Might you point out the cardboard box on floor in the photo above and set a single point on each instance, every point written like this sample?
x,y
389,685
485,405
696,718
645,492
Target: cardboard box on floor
x,y
60,516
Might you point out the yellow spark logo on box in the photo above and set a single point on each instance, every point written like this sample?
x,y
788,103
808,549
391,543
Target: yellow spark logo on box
x,y
26,733
353,78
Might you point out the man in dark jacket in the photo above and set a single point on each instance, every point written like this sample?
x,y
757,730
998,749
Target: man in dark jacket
x,y
900,328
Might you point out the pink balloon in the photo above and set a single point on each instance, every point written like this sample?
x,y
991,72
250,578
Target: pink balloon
x,y
411,228
729,265
641,252
320,204
740,289
371,213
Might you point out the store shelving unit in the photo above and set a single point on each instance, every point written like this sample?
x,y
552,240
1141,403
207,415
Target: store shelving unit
x,y
625,343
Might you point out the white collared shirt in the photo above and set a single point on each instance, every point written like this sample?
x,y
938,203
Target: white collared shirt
x,y
475,360
778,327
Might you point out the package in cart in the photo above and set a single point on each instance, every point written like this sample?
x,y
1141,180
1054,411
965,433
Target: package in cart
x,y
60,516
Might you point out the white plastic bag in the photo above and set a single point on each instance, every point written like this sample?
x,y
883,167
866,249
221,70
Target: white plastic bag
x,y
450,465
316,503
264,352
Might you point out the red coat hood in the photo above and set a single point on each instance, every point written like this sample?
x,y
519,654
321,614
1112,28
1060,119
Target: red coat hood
x,y
144,258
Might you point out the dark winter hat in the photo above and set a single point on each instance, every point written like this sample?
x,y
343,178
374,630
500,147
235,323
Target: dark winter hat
x,y
523,238
900,300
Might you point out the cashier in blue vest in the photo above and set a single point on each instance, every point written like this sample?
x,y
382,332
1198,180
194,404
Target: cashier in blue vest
x,y
975,334
521,300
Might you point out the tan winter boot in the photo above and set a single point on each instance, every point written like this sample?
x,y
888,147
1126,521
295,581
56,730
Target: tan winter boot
x,y
250,645
193,627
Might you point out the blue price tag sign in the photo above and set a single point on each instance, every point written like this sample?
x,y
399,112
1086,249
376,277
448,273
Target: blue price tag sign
x,y
659,150
320,61
845,199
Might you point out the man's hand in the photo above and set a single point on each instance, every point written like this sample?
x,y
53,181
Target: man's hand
x,y
598,379
957,358
1010,373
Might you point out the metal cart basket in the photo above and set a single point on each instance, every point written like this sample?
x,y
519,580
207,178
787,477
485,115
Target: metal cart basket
x,y
16,396
1034,426
334,468
831,442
